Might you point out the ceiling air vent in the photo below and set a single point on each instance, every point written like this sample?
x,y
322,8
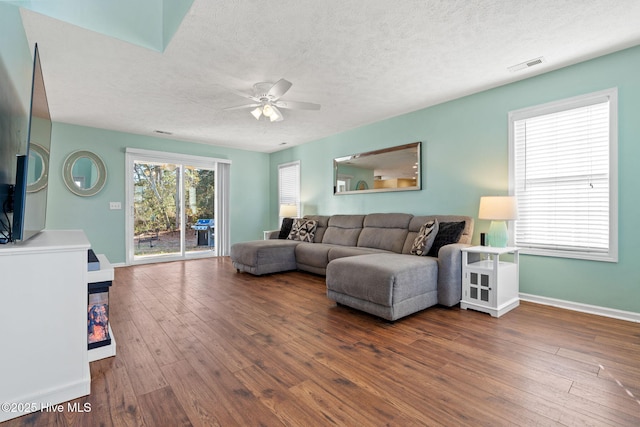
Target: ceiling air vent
x,y
527,64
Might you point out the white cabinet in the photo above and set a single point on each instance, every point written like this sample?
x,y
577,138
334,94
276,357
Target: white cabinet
x,y
43,322
490,284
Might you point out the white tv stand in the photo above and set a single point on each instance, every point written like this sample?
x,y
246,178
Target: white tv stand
x,y
43,322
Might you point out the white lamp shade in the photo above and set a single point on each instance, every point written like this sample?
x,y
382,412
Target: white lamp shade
x,y
501,208
267,110
288,211
257,113
275,115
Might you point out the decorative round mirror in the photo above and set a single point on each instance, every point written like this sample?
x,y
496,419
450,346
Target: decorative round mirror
x,y
84,173
38,168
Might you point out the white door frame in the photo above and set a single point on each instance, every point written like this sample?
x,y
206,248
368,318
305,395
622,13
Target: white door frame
x,y
221,208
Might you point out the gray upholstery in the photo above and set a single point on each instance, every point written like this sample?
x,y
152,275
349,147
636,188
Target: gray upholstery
x,y
385,231
367,262
384,281
264,256
345,251
312,256
343,230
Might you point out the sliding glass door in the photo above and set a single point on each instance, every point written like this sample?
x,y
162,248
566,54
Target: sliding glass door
x,y
174,202
199,206
157,225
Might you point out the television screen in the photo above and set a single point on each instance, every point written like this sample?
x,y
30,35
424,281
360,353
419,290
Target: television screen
x,y
19,195
30,193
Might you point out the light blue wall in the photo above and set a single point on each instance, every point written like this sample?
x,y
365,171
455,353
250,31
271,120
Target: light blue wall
x,y
465,156
106,228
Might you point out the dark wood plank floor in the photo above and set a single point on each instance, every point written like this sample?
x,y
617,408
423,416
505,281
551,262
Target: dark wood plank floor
x,y
199,344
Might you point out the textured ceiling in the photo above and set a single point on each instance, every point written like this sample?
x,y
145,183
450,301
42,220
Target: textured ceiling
x,y
363,61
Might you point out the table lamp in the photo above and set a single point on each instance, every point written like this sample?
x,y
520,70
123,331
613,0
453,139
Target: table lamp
x,y
498,209
288,211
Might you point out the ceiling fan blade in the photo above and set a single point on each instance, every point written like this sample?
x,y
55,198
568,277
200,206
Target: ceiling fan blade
x,y
239,107
279,88
297,105
242,94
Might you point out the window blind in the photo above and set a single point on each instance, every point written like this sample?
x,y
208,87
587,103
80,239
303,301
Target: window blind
x,y
562,179
289,185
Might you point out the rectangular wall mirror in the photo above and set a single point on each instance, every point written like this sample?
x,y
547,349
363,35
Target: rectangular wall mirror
x,y
389,169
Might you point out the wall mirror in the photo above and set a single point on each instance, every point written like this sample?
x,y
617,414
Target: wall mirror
x,y
84,173
38,168
389,169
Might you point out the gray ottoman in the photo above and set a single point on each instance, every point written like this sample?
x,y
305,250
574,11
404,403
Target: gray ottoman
x,y
387,285
264,256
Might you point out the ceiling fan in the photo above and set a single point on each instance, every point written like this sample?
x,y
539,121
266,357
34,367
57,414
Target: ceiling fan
x,y
267,102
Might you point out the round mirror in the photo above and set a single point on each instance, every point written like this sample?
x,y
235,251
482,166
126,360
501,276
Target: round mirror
x,y
38,168
84,173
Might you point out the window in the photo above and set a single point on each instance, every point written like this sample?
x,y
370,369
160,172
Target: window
x,y
289,185
563,171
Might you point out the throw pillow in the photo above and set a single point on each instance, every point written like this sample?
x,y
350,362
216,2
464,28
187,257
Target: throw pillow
x,y
448,232
286,228
425,238
303,230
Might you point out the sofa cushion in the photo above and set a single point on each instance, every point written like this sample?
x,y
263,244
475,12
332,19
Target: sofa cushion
x,y
303,230
386,231
384,279
264,256
345,251
425,238
448,233
312,254
343,230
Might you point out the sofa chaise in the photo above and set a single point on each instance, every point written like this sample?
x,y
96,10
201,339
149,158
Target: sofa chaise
x,y
368,261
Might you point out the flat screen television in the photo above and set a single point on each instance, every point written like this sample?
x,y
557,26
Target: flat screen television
x,y
19,199
31,184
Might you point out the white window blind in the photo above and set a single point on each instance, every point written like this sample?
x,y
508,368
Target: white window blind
x,y
289,185
562,177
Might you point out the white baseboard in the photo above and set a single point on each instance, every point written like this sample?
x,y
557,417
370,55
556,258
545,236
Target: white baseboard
x,y
584,308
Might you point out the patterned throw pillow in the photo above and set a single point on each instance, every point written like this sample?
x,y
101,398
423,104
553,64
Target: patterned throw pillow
x,y
303,230
425,238
448,232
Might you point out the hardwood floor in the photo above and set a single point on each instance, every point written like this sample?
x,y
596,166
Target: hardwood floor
x,y
199,344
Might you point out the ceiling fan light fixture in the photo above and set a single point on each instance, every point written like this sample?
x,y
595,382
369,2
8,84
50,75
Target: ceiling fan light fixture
x,y
266,97
275,115
267,110
257,113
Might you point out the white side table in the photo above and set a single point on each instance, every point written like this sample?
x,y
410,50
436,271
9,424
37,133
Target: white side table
x,y
490,285
268,233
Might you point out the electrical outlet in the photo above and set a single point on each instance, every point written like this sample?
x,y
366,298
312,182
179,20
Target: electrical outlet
x,y
115,205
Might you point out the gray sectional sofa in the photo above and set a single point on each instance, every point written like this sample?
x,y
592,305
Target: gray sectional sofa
x,y
367,261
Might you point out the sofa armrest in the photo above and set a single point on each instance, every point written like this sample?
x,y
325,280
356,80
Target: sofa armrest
x,y
450,274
